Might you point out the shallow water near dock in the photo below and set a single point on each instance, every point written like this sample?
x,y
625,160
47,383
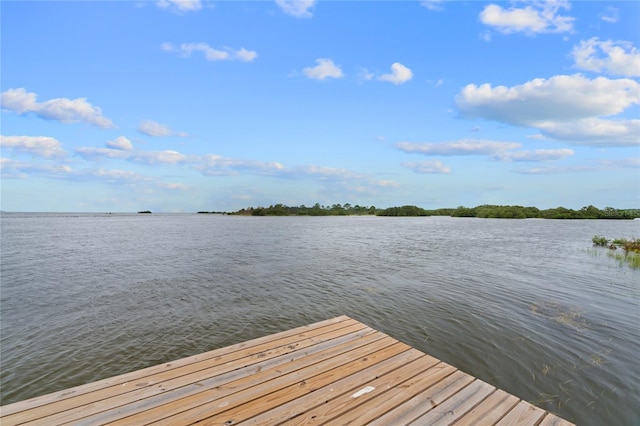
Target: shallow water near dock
x,y
529,306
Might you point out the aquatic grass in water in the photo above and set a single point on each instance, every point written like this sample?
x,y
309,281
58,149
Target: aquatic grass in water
x,y
630,258
631,255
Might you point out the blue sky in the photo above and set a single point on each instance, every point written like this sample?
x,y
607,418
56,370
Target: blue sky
x,y
181,106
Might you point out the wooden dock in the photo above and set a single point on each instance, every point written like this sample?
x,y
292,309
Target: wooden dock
x,y
336,372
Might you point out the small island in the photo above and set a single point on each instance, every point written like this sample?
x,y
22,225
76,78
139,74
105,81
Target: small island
x,y
145,212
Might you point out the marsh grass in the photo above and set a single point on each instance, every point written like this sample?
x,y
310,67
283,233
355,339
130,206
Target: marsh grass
x,y
631,250
629,258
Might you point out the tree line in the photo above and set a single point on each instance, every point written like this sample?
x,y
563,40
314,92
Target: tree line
x,y
316,210
482,211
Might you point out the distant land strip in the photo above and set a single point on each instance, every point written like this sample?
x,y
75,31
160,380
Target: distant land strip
x,y
483,211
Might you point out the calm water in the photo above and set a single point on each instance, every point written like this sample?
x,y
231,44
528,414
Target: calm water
x,y
526,305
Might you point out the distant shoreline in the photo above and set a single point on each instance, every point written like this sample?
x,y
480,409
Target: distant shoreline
x,y
483,211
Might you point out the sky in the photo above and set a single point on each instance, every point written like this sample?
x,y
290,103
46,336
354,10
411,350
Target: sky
x,y
190,105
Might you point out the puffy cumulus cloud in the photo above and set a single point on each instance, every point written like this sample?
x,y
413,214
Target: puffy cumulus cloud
x,y
399,74
63,110
325,69
297,8
211,54
461,147
121,143
536,17
566,107
539,155
559,98
612,57
427,167
39,146
180,6
153,128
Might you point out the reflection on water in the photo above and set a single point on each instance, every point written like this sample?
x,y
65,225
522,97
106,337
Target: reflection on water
x,y
527,305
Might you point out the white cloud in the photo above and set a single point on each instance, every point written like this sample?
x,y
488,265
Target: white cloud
x,y
599,166
180,6
153,128
211,54
246,55
120,143
40,146
501,151
460,147
433,4
536,17
399,74
365,75
622,163
174,186
112,175
539,155
325,69
60,109
427,167
89,153
617,58
163,157
559,98
566,107
595,132
611,15
139,157
12,169
297,8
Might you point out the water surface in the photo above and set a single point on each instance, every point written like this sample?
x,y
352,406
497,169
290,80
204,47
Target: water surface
x,y
526,305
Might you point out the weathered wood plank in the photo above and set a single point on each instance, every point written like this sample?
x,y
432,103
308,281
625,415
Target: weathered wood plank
x,y
337,371
523,414
425,401
398,395
352,402
552,420
151,378
457,405
163,406
294,408
258,399
489,411
149,371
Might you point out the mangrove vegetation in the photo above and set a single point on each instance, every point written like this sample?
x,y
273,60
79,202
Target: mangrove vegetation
x,y
482,211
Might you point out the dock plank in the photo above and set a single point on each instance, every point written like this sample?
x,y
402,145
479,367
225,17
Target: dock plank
x,y
337,371
176,399
489,411
86,390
